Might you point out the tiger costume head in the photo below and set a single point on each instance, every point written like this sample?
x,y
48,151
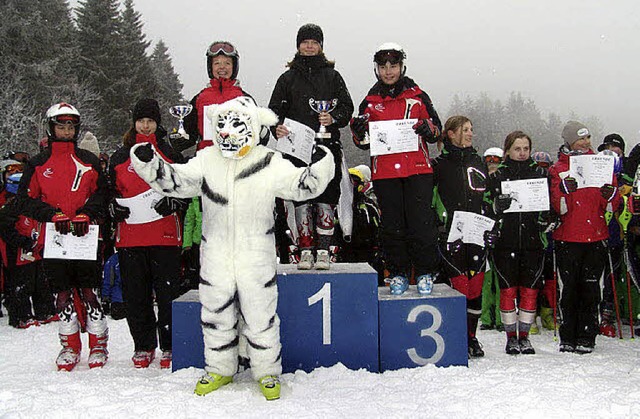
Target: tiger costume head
x,y
237,124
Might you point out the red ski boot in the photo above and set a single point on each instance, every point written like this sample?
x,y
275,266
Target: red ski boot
x,y
98,345
70,354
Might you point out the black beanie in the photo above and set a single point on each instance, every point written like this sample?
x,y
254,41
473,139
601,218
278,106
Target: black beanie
x,y
146,108
309,31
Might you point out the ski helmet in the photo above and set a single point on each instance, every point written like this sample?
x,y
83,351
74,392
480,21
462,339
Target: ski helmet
x,y
62,114
12,183
494,151
223,48
542,157
389,52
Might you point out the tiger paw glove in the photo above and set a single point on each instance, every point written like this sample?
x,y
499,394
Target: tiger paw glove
x,y
144,153
62,223
80,225
568,185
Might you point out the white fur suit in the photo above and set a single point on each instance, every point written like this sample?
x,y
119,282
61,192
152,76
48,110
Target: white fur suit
x,y
238,181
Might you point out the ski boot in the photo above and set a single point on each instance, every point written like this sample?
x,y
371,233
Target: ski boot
x,y
165,359
306,260
323,260
475,349
211,382
607,329
546,317
424,284
270,386
142,359
584,346
70,354
513,347
526,348
25,324
398,284
98,346
567,347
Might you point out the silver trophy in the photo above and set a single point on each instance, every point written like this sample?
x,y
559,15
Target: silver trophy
x,y
323,106
180,112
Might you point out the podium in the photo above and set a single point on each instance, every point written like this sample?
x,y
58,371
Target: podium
x,y
340,315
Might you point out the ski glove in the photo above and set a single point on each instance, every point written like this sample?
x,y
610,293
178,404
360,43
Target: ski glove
x,y
144,153
634,204
180,142
168,205
568,185
424,130
359,125
62,223
80,225
26,243
118,212
502,203
491,238
608,191
455,246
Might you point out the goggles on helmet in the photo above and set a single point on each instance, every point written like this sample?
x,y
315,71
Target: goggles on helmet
x,y
543,164
225,48
390,55
13,168
65,119
492,159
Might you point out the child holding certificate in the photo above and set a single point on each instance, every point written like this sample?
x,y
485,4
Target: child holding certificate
x,y
518,256
403,177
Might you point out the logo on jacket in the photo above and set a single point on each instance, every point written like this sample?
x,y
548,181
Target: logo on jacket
x,y
130,168
48,173
379,107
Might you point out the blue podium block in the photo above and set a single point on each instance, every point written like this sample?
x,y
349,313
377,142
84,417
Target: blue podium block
x,y
417,330
328,317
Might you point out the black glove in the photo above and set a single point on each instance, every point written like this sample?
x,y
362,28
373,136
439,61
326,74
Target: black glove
x,y
607,191
423,129
118,212
568,185
180,143
318,154
634,204
455,246
502,203
168,205
359,125
491,238
144,153
26,243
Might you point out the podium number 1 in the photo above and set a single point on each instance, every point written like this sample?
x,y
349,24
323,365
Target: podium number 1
x,y
324,295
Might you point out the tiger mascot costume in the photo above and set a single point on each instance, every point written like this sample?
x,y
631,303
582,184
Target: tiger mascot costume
x,y
238,180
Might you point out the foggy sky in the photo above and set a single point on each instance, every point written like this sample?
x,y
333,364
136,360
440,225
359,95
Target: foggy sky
x,y
569,55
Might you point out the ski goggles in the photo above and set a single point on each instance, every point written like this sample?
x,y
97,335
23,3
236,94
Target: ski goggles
x,y
492,159
13,168
225,48
543,164
66,120
391,56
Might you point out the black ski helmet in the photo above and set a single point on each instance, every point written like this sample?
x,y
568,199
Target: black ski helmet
x,y
223,48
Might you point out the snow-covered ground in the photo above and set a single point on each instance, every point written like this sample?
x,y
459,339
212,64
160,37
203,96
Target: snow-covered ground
x,y
548,384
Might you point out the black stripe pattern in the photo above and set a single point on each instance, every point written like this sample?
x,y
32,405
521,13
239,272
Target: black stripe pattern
x,y
256,167
214,197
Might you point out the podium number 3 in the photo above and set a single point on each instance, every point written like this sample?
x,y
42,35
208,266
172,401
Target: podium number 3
x,y
324,295
430,332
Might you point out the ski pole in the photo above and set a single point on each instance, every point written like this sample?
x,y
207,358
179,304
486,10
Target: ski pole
x,y
555,297
615,293
624,218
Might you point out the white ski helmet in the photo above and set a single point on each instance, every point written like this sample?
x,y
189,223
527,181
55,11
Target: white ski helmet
x,y
61,114
389,52
494,151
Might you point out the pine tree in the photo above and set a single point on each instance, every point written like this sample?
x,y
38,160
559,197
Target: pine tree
x,y
169,90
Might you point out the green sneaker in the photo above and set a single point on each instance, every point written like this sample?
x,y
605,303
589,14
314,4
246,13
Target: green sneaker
x,y
534,329
211,382
546,317
270,386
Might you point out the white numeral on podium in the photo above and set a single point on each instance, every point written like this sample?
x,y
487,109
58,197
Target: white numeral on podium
x,y
430,332
325,295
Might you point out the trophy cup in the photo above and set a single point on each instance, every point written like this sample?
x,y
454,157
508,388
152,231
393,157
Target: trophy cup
x,y
180,112
323,106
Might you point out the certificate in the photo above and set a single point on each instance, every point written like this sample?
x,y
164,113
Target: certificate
x,y
299,143
591,170
68,246
396,136
527,195
469,227
141,207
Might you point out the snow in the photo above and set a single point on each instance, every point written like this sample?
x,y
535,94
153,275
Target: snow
x,y
549,384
